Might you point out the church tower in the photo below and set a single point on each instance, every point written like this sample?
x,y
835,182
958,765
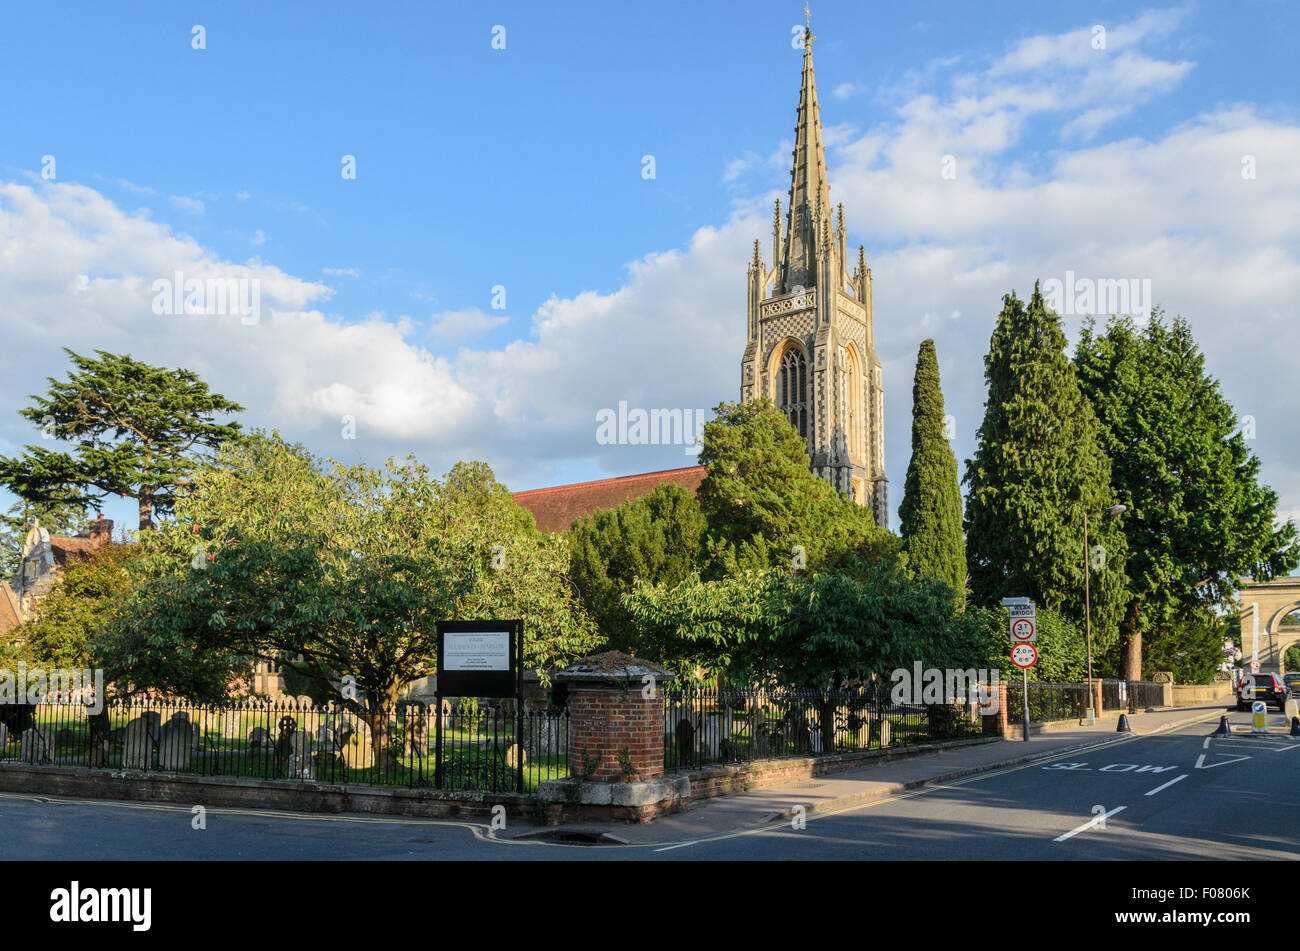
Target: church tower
x,y
811,345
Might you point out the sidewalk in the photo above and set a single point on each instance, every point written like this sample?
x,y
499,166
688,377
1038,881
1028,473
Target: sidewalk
x,y
722,814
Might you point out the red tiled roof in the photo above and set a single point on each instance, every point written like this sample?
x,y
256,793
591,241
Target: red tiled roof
x,y
74,548
558,507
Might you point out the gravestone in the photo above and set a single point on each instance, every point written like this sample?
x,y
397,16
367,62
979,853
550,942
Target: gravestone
x,y
174,745
444,713
97,752
138,744
512,755
63,737
415,732
544,735
181,722
4,740
355,746
258,738
298,764
232,722
35,747
325,737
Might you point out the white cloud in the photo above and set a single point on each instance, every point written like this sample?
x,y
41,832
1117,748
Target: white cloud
x,y
454,325
189,205
341,271
1171,206
259,237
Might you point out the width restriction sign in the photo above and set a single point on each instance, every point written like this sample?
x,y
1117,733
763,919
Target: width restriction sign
x,y
1024,623
1024,655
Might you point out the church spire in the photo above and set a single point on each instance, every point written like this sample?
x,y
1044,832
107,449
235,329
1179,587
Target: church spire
x,y
809,191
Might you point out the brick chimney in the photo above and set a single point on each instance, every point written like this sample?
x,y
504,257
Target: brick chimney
x,y
101,531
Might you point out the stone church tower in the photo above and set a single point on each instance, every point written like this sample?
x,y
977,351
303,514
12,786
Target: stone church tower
x,y
811,345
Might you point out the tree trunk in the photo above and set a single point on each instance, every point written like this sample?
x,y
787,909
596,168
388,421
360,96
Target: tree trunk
x,y
1132,665
146,512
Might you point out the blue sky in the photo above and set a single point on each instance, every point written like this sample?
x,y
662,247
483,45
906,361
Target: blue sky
x,y
522,168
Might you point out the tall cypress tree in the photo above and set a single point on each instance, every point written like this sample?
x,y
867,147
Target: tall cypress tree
x,y
1200,518
931,509
1037,469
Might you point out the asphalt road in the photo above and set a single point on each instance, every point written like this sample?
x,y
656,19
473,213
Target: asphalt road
x,y
1179,795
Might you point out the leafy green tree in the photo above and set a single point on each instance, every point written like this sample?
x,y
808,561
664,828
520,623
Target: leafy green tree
x,y
1190,646
930,513
72,612
657,539
58,518
1062,654
1199,517
823,631
345,572
764,506
1038,468
139,432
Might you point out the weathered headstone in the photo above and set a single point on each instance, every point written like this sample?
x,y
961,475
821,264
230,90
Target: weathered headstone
x,y
512,755
63,737
174,746
138,743
416,728
258,738
356,748
97,752
35,746
232,722
4,739
298,764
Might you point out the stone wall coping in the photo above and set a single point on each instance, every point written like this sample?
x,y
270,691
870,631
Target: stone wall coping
x,y
665,789
611,667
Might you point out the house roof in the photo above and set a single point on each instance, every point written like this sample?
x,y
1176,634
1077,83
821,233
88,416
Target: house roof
x,y
556,508
71,548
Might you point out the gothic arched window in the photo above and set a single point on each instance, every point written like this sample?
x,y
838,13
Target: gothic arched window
x,y
792,389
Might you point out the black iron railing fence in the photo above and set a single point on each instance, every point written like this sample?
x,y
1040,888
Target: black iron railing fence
x,y
1047,701
1114,695
1145,693
705,725
299,742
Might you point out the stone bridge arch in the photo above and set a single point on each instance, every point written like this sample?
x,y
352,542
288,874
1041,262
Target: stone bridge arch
x,y
1273,600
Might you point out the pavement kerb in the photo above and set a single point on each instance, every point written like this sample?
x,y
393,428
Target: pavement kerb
x,y
885,790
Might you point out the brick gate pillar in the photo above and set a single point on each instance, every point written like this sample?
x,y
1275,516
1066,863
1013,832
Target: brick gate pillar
x,y
995,724
616,744
616,719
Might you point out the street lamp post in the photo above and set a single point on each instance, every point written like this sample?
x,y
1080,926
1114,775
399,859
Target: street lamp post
x,y
1087,594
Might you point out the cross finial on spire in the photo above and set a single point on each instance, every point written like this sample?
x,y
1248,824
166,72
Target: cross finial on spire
x,y
807,24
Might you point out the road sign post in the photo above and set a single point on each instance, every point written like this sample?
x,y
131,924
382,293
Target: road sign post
x,y
1024,655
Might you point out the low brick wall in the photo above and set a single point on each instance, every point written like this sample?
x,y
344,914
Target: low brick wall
x,y
741,777
187,790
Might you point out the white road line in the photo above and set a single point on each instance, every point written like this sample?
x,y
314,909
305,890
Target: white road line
x,y
1206,744
1089,824
1167,785
680,845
